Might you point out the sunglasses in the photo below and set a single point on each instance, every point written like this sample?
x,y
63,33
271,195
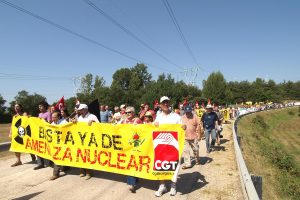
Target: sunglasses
x,y
128,112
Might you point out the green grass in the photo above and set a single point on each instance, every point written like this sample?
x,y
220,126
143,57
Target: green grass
x,y
271,148
4,132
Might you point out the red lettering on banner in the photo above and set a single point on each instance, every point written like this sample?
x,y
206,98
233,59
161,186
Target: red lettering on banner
x,y
99,158
48,148
67,155
95,157
132,159
105,158
109,160
120,161
83,157
147,163
41,147
34,145
28,144
56,153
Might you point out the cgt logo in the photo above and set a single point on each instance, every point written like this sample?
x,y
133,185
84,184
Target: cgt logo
x,y
21,132
166,150
165,165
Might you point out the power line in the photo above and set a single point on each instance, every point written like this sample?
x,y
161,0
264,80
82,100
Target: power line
x,y
74,33
128,32
183,39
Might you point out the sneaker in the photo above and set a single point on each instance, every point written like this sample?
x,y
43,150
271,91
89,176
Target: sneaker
x,y
53,178
173,191
161,190
131,188
16,164
81,175
88,176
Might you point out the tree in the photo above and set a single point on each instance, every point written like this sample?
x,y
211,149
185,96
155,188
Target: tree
x,y
2,107
215,88
143,76
29,102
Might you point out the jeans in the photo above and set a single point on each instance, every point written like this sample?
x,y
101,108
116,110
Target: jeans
x,y
131,180
213,134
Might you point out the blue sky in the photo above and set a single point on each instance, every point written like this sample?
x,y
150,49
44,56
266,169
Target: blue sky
x,y
242,39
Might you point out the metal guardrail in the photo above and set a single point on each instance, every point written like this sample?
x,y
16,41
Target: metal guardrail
x,y
247,184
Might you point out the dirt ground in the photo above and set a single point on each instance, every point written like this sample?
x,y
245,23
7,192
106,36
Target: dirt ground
x,y
215,178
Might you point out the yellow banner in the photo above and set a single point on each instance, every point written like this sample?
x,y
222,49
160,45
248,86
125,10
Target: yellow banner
x,y
226,114
143,150
200,112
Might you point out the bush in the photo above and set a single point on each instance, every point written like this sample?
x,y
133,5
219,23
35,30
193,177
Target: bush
x,y
5,118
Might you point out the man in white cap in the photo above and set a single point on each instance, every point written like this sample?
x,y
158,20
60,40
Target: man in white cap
x,y
210,122
166,116
85,116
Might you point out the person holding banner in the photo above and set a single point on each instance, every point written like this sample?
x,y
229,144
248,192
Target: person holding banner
x,y
45,115
167,117
131,119
57,119
19,112
85,116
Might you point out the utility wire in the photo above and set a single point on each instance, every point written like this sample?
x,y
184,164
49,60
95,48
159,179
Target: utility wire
x,y
176,24
128,32
74,33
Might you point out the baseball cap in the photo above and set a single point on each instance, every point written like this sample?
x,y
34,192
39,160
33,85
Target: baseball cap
x,y
208,106
82,106
188,109
122,106
148,113
164,98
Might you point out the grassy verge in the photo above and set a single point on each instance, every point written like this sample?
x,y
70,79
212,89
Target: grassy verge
x,y
271,147
4,131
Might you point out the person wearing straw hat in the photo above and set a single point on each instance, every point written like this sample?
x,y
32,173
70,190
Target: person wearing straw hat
x,y
210,122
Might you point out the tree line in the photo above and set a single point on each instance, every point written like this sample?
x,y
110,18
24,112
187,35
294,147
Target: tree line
x,y
134,85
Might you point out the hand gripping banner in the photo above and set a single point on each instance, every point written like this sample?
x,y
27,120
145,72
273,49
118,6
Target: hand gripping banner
x,y
142,150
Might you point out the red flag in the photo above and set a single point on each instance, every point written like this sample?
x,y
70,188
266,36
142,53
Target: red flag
x,y
185,103
60,104
155,103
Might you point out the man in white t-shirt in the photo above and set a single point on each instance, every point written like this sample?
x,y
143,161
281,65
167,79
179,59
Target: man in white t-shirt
x,y
85,116
166,116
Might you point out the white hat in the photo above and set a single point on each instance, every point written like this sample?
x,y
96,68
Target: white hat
x,y
82,106
122,106
164,98
208,106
